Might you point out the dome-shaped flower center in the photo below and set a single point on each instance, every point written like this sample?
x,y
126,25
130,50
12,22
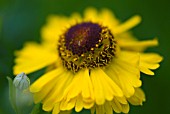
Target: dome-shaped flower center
x,y
82,37
86,45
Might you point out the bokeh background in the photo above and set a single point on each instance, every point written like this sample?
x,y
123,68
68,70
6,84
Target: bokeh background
x,y
21,21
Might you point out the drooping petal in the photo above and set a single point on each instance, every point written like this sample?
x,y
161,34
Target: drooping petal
x,y
111,106
118,107
67,105
81,84
88,104
46,79
42,91
39,96
138,98
78,94
62,82
125,108
87,88
122,100
56,109
104,87
100,109
108,108
125,74
79,104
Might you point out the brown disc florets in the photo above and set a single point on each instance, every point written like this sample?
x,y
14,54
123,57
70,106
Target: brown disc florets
x,y
86,45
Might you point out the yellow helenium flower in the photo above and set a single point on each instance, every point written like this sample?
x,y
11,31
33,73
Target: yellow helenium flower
x,y
92,62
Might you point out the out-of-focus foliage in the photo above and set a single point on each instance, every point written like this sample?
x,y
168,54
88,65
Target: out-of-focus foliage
x,y
21,21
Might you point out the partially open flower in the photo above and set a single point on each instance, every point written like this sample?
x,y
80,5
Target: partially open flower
x,y
92,63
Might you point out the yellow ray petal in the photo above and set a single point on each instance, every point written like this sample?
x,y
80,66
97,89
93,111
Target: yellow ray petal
x,y
88,105
79,104
131,59
138,98
81,84
108,108
137,45
87,88
125,75
63,105
39,96
101,83
91,14
150,65
56,109
132,22
46,78
100,109
98,89
93,109
110,19
156,58
73,89
125,108
122,100
149,61
146,71
108,92
57,93
33,57
55,26
116,106
67,105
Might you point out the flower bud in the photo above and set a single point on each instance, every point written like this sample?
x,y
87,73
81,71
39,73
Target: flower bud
x,y
21,81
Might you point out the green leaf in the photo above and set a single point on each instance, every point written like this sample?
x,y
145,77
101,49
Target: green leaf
x,y
12,94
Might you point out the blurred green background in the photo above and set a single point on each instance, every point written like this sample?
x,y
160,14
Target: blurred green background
x,y
21,21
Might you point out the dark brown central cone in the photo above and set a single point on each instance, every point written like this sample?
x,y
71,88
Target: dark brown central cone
x,y
86,45
80,38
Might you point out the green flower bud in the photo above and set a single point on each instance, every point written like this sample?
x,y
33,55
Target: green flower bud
x,y
21,81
